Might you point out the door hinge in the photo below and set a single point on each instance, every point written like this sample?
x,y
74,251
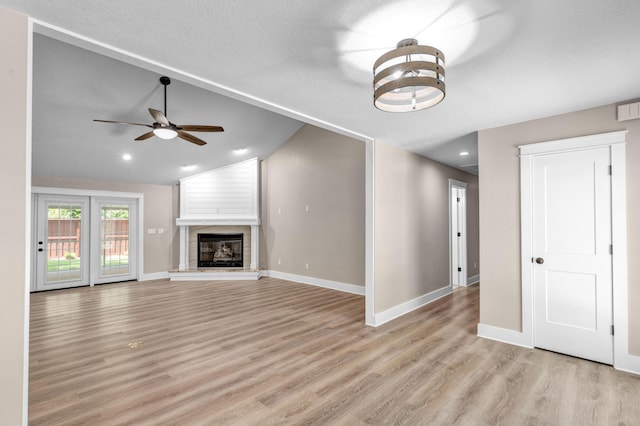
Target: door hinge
x,y
459,269
612,331
532,260
459,234
610,248
458,199
610,170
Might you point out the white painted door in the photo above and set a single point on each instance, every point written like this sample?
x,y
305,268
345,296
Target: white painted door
x,y
457,238
114,242
62,242
572,278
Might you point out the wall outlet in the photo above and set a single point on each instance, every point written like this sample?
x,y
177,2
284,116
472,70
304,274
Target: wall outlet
x,y
160,230
279,210
279,262
151,231
306,209
306,266
475,265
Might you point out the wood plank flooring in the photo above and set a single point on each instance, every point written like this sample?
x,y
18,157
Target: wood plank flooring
x,y
276,352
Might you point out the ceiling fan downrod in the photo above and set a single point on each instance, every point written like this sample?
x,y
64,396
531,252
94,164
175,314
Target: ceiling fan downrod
x,y
165,81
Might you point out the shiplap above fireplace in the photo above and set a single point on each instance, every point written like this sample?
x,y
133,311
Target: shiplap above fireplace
x,y
225,196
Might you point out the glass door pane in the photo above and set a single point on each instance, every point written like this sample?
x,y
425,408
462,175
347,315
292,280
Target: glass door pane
x,y
114,240
63,242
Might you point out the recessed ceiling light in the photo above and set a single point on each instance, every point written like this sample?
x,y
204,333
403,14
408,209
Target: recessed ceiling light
x,y
240,150
189,167
126,157
463,153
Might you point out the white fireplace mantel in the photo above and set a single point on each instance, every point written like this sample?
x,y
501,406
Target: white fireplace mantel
x,y
251,221
225,196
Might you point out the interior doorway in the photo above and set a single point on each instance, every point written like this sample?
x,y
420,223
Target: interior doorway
x,y
457,233
553,258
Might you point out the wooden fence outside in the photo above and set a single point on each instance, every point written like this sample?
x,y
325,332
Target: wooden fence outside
x,y
64,238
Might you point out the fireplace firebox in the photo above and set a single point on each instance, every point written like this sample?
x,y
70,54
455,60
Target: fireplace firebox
x,y
220,250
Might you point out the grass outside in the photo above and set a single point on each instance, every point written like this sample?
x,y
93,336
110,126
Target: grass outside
x,y
63,264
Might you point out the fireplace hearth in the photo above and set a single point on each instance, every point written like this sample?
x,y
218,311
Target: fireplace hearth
x,y
220,250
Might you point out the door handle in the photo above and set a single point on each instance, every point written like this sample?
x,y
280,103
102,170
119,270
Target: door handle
x,y
40,249
539,261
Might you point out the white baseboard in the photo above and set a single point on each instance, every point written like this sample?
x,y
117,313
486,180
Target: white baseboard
x,y
318,282
473,280
154,276
627,362
411,305
503,335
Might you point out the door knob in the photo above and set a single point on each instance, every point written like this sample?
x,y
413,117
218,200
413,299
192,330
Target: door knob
x,y
539,261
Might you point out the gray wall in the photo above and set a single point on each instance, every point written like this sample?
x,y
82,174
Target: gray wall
x,y
161,208
326,172
14,187
411,228
500,298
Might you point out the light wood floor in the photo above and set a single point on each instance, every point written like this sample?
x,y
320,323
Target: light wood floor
x,y
275,352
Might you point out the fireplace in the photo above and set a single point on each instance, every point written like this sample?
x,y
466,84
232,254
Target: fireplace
x,y
220,250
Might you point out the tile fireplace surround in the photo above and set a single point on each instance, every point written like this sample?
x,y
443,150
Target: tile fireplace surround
x,y
188,270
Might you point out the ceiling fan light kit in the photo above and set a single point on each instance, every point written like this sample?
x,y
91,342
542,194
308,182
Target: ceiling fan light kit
x,y
409,78
165,129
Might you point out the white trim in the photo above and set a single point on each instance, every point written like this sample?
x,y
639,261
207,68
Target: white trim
x,y
318,282
28,223
109,51
154,276
184,248
209,275
369,250
255,247
616,141
240,221
526,250
622,359
84,192
411,305
474,279
141,241
504,335
572,144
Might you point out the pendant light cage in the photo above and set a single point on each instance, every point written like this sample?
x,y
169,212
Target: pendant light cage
x,y
409,78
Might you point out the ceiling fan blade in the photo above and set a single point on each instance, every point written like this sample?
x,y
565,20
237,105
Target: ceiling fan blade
x,y
145,136
197,128
187,137
123,122
159,116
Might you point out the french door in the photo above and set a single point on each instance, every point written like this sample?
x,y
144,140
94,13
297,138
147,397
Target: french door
x,y
84,241
113,245
61,246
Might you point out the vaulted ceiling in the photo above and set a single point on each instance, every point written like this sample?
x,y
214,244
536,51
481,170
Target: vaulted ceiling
x,y
261,69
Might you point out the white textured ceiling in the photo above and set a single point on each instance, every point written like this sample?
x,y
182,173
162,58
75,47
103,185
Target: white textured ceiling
x,y
507,61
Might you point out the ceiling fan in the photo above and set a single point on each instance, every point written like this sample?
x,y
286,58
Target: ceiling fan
x,y
165,129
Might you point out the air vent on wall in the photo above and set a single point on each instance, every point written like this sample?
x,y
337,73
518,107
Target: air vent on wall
x,y
629,111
